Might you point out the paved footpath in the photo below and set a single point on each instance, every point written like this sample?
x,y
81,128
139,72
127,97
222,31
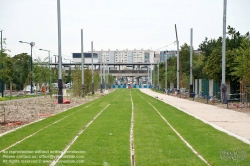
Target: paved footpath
x,y
232,122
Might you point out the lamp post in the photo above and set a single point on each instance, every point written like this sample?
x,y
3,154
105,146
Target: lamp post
x,y
31,45
69,69
49,62
2,62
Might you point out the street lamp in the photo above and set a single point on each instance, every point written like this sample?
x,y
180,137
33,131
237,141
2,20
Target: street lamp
x,y
2,61
49,62
69,70
31,45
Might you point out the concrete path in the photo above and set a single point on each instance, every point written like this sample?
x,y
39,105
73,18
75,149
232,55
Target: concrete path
x,y
232,122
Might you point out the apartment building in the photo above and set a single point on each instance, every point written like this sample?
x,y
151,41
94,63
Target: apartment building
x,y
125,56
164,55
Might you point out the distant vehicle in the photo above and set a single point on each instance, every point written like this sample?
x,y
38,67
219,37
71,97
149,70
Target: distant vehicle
x,y
28,88
55,85
69,85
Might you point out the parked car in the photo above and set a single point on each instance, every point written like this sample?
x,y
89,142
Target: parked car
x,y
27,89
55,85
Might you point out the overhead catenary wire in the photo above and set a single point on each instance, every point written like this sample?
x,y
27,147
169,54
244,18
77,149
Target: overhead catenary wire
x,y
166,45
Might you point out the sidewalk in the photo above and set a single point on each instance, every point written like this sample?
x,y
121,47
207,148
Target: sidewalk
x,y
232,122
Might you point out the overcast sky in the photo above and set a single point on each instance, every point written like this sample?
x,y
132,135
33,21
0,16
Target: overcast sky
x,y
115,24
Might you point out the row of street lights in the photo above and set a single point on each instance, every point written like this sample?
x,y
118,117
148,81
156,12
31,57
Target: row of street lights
x,y
31,64
60,96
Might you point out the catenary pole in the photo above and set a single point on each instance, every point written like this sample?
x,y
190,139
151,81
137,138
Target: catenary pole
x,y
101,71
191,63
60,84
223,80
82,61
178,57
92,68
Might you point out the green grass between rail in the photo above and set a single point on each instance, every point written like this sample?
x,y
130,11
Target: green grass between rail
x,y
55,137
106,140
217,147
155,142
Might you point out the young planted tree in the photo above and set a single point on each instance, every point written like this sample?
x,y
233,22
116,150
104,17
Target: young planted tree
x,y
242,62
110,80
41,74
96,80
77,81
9,72
172,70
184,65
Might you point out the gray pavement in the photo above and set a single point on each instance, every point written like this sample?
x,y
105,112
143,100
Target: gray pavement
x,y
229,121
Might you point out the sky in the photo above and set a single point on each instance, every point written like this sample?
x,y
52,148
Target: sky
x,y
115,24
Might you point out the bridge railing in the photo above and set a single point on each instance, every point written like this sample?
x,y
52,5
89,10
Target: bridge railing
x,y
132,86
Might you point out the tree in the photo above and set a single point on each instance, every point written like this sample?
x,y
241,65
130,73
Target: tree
x,y
110,80
213,65
213,59
41,73
208,46
198,65
76,82
4,64
9,72
172,70
21,70
96,80
184,65
242,62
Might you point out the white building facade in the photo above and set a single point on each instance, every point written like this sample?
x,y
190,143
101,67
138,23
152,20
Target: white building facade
x,y
125,56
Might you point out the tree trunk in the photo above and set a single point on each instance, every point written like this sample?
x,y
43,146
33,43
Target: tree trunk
x,y
10,89
24,90
45,89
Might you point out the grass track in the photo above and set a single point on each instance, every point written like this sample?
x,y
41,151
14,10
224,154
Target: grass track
x,y
106,141
209,142
56,136
155,142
